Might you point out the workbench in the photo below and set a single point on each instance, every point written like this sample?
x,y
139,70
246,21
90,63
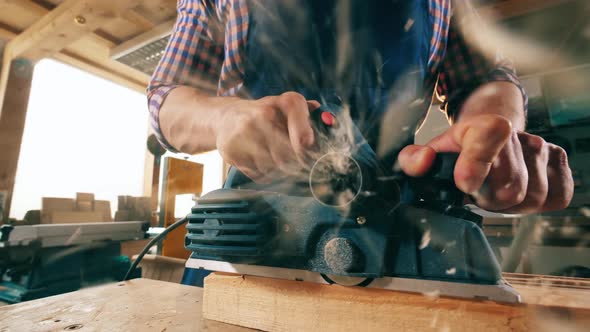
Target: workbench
x,y
136,305
282,305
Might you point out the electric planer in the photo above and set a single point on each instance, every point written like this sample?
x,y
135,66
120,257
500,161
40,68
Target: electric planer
x,y
349,220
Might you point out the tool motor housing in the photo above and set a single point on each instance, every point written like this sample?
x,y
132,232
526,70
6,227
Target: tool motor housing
x,y
393,226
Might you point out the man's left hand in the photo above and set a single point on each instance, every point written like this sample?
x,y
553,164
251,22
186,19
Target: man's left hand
x,y
503,170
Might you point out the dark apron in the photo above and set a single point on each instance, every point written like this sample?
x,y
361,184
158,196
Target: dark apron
x,y
370,55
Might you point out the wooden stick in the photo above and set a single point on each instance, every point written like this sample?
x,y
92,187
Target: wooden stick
x,y
283,305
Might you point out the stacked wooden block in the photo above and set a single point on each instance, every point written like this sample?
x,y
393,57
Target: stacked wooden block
x,y
68,210
133,209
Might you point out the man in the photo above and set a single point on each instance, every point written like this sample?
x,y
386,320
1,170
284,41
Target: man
x,y
242,77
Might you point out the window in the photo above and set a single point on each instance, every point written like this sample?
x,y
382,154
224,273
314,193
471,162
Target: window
x,y
82,134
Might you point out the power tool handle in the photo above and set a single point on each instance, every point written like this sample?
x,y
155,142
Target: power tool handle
x,y
443,167
438,185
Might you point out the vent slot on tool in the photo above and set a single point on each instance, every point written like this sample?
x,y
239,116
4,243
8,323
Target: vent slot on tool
x,y
229,229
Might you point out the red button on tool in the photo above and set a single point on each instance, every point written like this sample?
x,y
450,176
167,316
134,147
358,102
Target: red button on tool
x,y
327,118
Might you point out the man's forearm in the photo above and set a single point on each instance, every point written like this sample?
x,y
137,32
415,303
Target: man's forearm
x,y
189,119
499,97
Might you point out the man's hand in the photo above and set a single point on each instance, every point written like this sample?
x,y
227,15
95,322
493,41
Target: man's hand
x,y
267,138
502,169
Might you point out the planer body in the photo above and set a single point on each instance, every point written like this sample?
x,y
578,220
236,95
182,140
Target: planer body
x,y
358,224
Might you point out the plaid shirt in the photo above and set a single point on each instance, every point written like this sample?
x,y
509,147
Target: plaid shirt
x,y
208,42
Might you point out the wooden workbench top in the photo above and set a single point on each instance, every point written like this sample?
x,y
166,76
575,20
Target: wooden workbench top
x,y
136,305
150,305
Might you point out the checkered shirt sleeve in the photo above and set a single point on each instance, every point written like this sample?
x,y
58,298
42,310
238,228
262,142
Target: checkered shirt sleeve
x,y
464,68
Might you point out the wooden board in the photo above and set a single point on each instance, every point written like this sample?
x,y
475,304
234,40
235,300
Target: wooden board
x,y
132,248
68,22
179,177
104,207
136,305
80,47
282,305
15,80
52,204
74,217
162,268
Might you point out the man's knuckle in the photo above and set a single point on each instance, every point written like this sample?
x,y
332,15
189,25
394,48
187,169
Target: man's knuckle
x,y
558,156
512,191
560,202
498,124
535,143
536,200
520,196
264,113
563,203
292,98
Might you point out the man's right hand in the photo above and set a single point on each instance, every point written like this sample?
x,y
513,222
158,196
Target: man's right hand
x,y
269,137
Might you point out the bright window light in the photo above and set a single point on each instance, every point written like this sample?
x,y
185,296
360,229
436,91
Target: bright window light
x,y
82,134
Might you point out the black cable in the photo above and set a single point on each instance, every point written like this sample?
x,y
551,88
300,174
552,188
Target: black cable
x,y
155,240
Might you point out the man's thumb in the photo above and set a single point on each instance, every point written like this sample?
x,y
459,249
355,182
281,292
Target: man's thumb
x,y
416,160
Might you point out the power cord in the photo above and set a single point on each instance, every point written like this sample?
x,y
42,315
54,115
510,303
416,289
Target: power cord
x,y
155,240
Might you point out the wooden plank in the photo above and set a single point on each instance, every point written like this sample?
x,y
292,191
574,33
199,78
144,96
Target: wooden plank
x,y
20,14
179,177
136,305
136,18
102,71
49,205
17,76
28,5
85,203
162,268
283,305
74,217
96,51
132,248
104,207
6,34
70,21
89,50
121,29
157,10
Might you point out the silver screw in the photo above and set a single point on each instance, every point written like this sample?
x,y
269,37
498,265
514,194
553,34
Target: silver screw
x,y
361,220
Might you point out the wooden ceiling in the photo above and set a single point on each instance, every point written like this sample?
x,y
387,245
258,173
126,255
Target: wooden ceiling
x,y
84,33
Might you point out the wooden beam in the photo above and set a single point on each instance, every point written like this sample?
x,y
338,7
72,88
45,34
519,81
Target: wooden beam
x,y
12,124
6,34
4,73
68,22
138,41
283,305
97,69
28,5
102,71
136,18
512,8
